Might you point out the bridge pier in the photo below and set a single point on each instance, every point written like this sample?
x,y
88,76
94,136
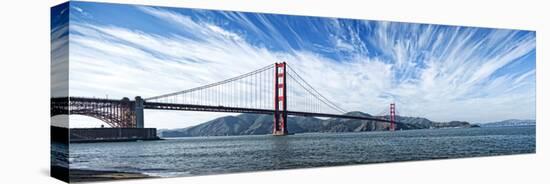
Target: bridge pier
x,y
138,110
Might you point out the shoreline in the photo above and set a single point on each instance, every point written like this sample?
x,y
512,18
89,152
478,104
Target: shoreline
x,y
89,175
85,175
304,133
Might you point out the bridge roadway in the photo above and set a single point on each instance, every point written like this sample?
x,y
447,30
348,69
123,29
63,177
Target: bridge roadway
x,y
207,108
97,107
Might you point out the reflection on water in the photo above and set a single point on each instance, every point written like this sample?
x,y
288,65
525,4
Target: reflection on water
x,y
213,155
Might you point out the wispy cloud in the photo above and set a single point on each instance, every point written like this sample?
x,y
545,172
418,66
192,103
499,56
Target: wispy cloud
x,y
440,72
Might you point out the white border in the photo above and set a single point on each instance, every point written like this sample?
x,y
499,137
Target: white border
x,y
25,90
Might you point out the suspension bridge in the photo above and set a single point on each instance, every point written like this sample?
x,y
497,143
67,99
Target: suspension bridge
x,y
276,89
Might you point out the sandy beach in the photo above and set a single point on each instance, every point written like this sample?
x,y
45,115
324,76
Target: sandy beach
x,y
84,175
79,175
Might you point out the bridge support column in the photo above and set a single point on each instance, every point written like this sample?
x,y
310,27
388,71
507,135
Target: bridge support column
x,y
138,110
392,116
280,115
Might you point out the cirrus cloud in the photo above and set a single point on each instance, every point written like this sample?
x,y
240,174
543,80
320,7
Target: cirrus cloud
x,y
440,72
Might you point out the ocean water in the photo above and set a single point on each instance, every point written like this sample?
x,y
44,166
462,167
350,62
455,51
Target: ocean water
x,y
215,155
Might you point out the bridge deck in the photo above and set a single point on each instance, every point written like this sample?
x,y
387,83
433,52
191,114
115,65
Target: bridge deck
x,y
191,107
62,104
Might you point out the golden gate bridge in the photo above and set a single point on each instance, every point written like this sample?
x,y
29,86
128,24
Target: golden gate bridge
x,y
276,89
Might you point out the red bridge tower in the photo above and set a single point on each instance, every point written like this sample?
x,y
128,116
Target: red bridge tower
x,y
279,123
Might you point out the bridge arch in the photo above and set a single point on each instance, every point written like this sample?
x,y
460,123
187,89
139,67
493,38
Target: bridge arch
x,y
79,121
115,113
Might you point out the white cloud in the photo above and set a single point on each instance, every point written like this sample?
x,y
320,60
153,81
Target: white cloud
x,y
454,83
343,45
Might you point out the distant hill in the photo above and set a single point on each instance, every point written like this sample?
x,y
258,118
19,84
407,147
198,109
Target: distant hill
x,y
510,122
257,124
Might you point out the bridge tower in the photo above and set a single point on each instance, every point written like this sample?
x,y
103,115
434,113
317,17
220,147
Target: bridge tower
x,y
280,115
392,116
138,109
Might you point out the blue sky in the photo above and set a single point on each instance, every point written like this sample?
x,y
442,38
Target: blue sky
x,y
440,72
